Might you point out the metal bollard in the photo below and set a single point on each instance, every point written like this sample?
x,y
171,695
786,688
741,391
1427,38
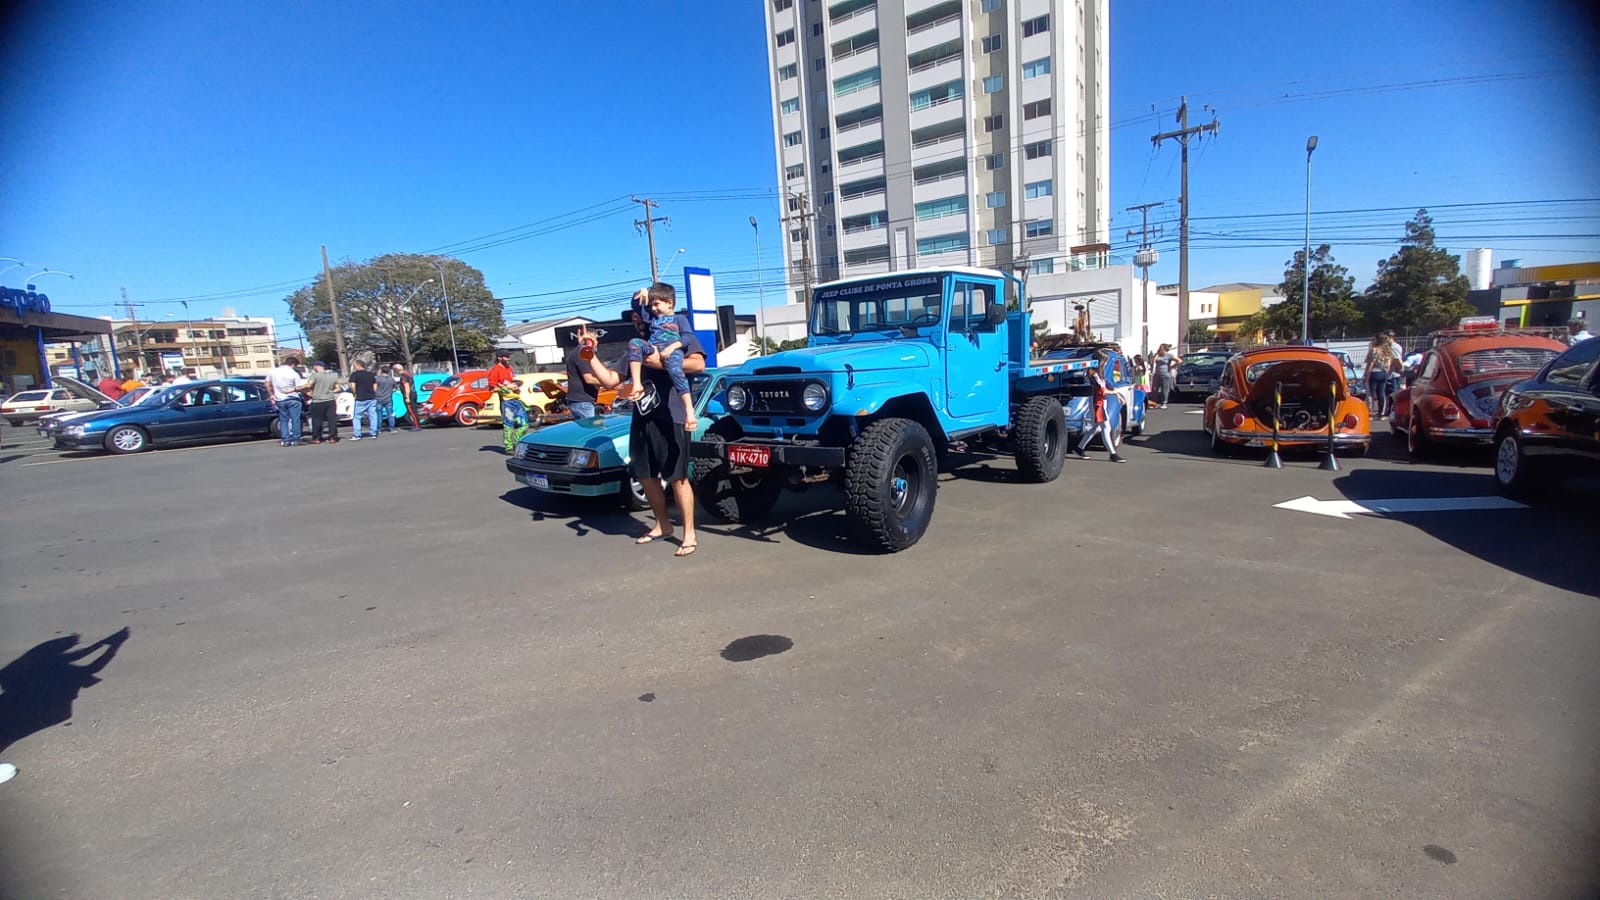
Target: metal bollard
x,y
1274,461
1329,462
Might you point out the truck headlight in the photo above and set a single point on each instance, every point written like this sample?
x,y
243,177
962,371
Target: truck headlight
x,y
814,396
738,398
582,459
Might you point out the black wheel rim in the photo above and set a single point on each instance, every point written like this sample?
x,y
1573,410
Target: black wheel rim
x,y
1052,439
905,485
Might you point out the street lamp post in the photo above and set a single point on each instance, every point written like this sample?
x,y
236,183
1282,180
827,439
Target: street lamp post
x,y
671,259
15,264
1305,266
761,292
45,272
404,334
449,322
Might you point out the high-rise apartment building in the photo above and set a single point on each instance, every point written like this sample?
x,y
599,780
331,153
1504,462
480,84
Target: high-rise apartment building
x,y
940,132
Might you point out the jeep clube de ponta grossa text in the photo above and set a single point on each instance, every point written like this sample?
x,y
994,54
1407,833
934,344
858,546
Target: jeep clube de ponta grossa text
x,y
897,369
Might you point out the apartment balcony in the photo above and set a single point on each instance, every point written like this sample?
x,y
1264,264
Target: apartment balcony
x,y
852,23
865,132
858,99
940,23
860,167
937,72
932,187
864,237
938,112
861,204
941,260
868,267
854,61
950,146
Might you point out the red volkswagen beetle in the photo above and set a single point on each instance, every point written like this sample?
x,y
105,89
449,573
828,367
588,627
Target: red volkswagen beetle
x,y
1455,393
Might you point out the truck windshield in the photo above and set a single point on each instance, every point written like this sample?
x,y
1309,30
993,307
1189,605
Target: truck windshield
x,y
885,304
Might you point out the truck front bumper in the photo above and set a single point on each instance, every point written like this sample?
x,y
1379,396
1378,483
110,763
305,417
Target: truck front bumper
x,y
783,454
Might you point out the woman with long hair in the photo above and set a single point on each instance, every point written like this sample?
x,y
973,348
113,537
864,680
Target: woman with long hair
x,y
1381,360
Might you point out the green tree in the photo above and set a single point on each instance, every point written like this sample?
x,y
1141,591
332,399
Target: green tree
x,y
1334,312
1419,288
767,346
394,306
1200,333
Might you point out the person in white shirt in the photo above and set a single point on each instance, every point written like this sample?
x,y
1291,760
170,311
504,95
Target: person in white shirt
x,y
1577,332
284,385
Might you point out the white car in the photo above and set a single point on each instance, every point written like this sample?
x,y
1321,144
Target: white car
x,y
24,406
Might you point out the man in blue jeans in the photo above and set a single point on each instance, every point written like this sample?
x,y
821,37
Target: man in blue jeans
x,y
284,385
365,386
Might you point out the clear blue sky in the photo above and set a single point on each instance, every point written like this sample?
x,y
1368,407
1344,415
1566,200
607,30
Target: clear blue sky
x,y
194,150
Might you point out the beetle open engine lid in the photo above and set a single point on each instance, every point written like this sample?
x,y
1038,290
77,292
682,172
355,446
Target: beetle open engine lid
x,y
1299,378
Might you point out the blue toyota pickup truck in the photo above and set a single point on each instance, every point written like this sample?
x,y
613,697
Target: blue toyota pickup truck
x,y
898,369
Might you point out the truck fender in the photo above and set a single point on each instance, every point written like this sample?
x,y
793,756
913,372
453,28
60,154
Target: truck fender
x,y
869,405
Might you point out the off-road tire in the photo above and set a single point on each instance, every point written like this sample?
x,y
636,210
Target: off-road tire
x,y
466,415
727,497
1041,434
127,439
891,482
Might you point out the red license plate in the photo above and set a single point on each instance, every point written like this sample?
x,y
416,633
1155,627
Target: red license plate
x,y
747,455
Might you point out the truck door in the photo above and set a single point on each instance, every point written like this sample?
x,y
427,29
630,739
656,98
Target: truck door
x,y
976,381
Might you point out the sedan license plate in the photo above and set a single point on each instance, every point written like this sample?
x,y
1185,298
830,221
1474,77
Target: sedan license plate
x,y
542,482
747,455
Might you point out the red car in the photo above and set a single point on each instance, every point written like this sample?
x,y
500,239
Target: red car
x,y
1455,394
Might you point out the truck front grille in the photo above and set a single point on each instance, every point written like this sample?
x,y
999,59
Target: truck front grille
x,y
776,397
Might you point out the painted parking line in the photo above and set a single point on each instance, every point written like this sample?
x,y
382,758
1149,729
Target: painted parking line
x,y
1344,509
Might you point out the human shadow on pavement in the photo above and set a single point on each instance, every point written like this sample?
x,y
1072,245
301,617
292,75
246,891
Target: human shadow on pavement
x,y
1552,541
37,689
581,514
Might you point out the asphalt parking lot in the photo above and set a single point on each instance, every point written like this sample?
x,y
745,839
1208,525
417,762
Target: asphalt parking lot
x,y
385,670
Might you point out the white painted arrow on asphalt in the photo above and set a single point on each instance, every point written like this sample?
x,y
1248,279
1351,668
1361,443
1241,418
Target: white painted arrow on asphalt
x,y
1344,509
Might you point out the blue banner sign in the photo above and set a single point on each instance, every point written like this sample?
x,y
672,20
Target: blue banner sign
x,y
20,302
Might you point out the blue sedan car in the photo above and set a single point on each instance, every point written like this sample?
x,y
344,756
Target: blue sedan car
x,y
197,411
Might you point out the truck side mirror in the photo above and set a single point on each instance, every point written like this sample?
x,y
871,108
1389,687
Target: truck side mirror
x,y
994,315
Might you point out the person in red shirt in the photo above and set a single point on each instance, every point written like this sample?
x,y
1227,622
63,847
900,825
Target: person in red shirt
x,y
501,372
110,387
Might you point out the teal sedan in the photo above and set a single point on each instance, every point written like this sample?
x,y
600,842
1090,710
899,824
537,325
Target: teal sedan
x,y
589,457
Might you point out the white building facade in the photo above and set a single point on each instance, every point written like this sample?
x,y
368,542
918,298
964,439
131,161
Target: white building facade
x,y
915,133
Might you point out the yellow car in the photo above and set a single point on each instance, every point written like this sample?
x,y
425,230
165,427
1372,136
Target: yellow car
x,y
532,396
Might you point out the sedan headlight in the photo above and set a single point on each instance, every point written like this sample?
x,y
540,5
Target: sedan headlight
x,y
814,396
738,398
582,459
72,429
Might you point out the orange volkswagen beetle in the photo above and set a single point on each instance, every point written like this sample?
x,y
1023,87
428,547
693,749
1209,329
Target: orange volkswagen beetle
x,y
1312,385
1455,394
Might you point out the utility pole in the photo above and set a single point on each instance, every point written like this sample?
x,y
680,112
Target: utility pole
x,y
804,215
648,224
333,309
1182,134
1144,259
138,342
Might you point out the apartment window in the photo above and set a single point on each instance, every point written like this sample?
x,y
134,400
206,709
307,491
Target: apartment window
x,y
1030,27
1036,109
822,133
1040,228
819,64
822,99
792,139
787,72
936,95
1037,149
781,5
996,237
994,123
793,172
994,199
830,230
994,161
857,82
794,203
794,235
1042,266
791,105
994,83
816,30
827,199
785,38
992,43
1039,189
943,243
938,209
990,5
1036,68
